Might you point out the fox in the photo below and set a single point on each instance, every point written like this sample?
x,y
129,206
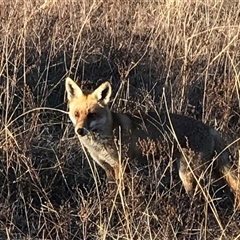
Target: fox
x,y
98,127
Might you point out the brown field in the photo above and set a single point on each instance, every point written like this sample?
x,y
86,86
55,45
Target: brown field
x,y
182,56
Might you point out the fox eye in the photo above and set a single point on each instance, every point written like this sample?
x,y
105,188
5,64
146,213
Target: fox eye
x,y
76,114
92,115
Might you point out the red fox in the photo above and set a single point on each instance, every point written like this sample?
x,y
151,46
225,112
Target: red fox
x,y
97,128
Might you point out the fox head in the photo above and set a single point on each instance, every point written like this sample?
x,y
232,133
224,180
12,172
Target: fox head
x,y
88,112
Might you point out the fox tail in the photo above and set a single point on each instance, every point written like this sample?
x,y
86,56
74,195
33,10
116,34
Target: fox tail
x,y
225,168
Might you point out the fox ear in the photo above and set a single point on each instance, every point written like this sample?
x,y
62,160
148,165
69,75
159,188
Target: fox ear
x,y
103,93
73,90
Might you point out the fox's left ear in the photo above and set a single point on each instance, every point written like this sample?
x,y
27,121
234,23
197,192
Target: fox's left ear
x,y
103,93
73,90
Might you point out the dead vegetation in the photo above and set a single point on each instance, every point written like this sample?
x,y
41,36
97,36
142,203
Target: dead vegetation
x,y
177,55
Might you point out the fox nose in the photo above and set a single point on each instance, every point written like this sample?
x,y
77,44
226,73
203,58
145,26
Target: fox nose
x,y
81,131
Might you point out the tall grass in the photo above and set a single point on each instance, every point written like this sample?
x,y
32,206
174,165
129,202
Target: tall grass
x,y
189,49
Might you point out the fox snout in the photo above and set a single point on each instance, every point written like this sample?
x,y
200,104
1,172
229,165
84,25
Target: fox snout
x,y
81,131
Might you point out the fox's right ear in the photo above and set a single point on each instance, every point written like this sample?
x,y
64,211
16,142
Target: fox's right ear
x,y
73,90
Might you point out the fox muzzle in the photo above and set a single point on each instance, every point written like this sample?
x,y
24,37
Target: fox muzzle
x,y
81,131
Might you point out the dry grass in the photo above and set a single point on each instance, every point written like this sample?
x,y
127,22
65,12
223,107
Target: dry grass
x,y
192,49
